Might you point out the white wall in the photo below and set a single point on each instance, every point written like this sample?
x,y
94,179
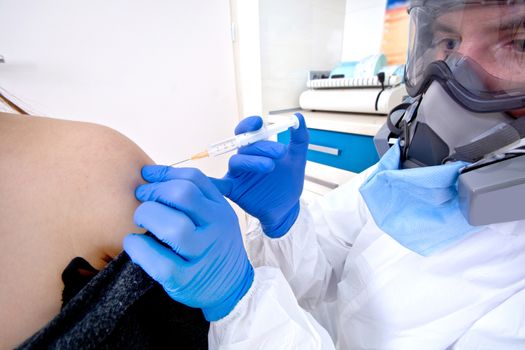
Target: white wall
x,y
161,72
363,28
297,36
247,50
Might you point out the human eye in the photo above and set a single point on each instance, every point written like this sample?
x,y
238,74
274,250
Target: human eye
x,y
446,41
444,45
513,49
510,56
513,36
450,44
519,45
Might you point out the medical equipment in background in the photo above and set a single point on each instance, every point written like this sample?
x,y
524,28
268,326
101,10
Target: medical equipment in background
x,y
365,86
244,139
344,108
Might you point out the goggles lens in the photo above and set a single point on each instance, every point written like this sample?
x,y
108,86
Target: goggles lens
x,y
488,35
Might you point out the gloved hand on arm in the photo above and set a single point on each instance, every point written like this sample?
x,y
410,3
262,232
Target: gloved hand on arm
x,y
202,262
266,178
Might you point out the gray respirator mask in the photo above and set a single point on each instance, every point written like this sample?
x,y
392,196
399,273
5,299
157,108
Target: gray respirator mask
x,y
458,111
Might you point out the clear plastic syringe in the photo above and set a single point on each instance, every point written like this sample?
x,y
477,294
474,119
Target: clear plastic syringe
x,y
245,139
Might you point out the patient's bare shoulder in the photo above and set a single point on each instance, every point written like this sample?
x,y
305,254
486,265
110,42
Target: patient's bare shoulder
x,y
67,190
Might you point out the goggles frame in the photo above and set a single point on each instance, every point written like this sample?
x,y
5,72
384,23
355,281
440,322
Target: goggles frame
x,y
469,97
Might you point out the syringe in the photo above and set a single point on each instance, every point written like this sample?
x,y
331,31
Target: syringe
x,y
245,139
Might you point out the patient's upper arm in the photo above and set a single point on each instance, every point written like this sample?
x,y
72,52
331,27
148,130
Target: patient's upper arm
x,y
67,190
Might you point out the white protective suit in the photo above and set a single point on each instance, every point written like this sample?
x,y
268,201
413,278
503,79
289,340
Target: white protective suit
x,y
335,280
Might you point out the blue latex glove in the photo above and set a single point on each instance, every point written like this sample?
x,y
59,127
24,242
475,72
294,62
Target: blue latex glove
x,y
202,262
266,178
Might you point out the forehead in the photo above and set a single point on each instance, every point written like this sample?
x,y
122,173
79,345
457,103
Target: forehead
x,y
483,17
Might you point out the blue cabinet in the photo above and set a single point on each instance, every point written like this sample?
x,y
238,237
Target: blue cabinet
x,y
346,151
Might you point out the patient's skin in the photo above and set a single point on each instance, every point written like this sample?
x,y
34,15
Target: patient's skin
x,y
66,190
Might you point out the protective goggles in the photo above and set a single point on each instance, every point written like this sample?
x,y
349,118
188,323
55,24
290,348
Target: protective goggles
x,y
475,49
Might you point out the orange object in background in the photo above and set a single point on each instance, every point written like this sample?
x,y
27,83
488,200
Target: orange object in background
x,y
395,32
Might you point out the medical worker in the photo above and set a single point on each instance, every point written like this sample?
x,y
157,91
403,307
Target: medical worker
x,y
425,250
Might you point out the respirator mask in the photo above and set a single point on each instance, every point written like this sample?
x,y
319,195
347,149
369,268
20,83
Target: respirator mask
x,y
465,76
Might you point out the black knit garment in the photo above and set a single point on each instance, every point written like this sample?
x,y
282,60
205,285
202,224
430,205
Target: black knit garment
x,y
120,307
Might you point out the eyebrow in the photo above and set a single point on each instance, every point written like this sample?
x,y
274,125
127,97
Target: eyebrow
x,y
511,24
442,27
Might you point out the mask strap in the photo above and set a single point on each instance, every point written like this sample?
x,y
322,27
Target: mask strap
x,y
395,115
405,124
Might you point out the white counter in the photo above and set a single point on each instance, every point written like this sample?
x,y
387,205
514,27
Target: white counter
x,y
361,124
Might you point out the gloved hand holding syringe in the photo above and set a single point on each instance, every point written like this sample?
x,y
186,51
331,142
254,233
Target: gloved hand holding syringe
x,y
245,139
203,262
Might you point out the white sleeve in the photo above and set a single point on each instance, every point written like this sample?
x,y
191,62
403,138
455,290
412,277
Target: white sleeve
x,y
312,254
268,317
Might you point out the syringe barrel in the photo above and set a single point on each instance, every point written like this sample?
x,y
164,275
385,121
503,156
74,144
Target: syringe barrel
x,y
224,146
247,138
268,130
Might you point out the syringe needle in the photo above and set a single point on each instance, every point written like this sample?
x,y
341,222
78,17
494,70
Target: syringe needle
x,y
182,161
193,157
